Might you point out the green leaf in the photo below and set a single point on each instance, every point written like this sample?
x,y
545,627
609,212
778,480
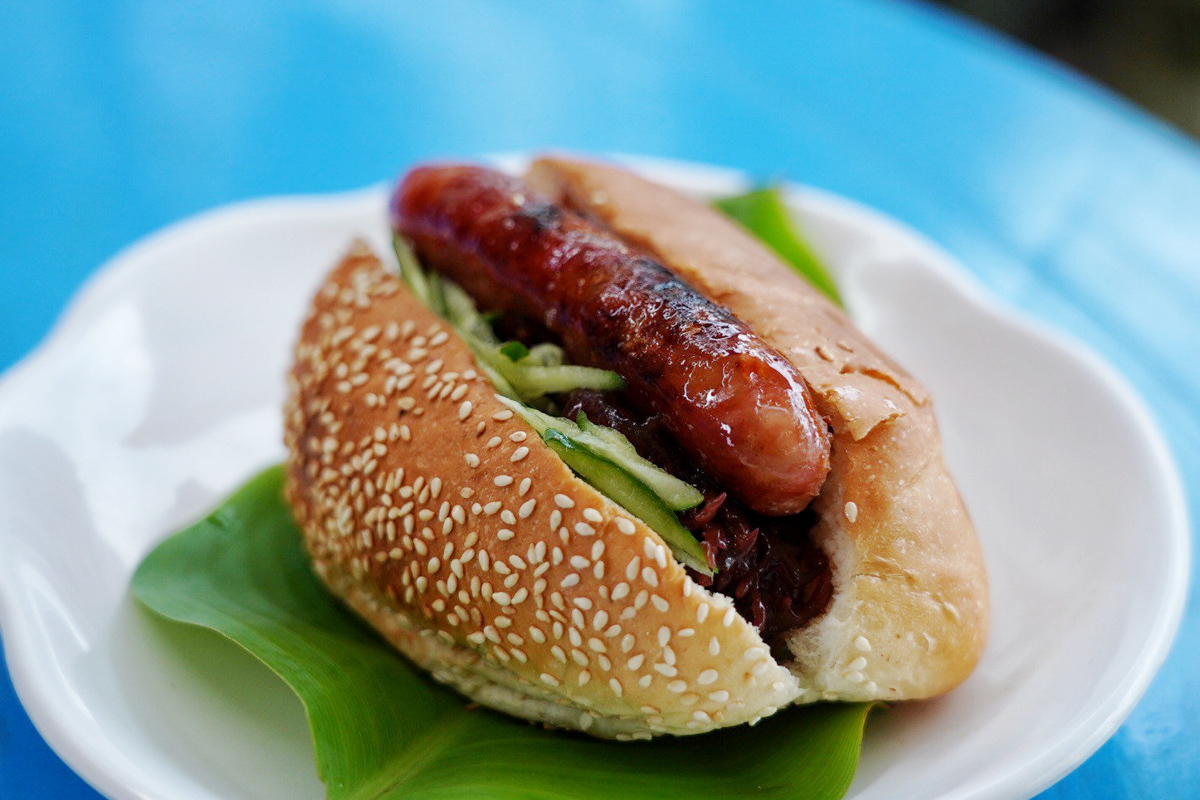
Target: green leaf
x,y
765,214
514,351
382,731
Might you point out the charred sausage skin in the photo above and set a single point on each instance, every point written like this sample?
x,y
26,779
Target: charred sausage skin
x,y
730,400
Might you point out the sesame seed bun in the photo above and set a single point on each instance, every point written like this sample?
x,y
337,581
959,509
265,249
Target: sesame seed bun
x,y
446,522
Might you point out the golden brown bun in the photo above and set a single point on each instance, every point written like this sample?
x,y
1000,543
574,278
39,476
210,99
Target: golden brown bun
x,y
456,532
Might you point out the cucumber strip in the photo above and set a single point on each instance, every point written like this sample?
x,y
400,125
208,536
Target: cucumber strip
x,y
410,270
631,494
677,495
544,355
533,381
613,437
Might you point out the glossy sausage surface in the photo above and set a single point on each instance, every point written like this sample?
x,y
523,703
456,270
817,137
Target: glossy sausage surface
x,y
730,400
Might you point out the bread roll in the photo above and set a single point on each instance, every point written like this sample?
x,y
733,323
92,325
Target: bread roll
x,y
447,523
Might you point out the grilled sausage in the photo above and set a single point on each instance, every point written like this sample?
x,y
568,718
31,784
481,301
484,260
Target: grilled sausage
x,y
731,401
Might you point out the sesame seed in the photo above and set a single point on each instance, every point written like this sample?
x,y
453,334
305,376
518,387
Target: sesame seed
x,y
635,565
862,645
635,663
501,598
583,529
465,409
523,489
627,642
702,612
620,590
503,480
558,653
851,510
625,526
519,453
649,576
555,519
666,669
706,677
730,616
719,696
677,686
684,632
574,636
548,679
659,603
592,515
854,677
501,416
579,562
527,508
493,442
569,581
562,501
857,664
616,687
502,622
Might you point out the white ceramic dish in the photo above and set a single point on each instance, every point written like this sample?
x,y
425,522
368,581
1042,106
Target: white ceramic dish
x,y
159,392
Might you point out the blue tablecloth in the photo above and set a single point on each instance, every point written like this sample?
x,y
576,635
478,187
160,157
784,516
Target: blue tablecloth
x,y
118,118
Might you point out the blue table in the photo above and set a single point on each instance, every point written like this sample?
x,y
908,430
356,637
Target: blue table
x,y
1063,200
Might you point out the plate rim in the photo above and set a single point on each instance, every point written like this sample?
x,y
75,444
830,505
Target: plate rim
x,y
1052,764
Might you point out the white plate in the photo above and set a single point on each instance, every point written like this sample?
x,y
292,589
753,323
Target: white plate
x,y
159,392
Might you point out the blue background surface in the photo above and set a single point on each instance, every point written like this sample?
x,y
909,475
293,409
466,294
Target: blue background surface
x,y
118,118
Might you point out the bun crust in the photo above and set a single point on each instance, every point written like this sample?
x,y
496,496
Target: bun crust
x,y
444,520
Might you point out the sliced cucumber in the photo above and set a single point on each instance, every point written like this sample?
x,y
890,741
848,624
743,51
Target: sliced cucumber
x,y
533,381
632,495
611,445
544,355
412,274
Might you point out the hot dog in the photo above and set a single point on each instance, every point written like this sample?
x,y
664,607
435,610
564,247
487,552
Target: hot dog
x,y
468,540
